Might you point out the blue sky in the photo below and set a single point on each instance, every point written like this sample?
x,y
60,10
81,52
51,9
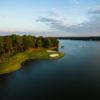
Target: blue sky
x,y
50,17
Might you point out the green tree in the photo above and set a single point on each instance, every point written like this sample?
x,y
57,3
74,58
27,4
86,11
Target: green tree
x,y
39,42
48,43
19,42
1,44
7,43
54,41
34,41
15,39
27,42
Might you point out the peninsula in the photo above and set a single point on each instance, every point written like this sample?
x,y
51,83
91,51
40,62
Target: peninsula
x,y
15,49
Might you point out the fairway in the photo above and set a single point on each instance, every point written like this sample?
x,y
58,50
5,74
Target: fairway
x,y
14,63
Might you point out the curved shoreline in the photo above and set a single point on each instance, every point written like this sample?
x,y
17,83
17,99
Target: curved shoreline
x,y
29,52
18,63
12,60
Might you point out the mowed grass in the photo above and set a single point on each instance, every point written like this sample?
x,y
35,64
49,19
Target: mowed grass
x,y
8,67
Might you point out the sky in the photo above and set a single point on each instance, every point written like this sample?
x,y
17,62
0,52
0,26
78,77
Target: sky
x,y
50,17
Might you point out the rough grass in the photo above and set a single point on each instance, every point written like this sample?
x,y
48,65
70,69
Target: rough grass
x,y
35,54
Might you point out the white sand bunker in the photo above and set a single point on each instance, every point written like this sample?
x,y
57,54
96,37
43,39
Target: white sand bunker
x,y
54,55
50,51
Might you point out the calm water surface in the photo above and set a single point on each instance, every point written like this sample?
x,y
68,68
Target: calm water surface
x,y
74,76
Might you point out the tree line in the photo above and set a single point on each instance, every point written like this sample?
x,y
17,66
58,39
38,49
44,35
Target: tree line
x,y
15,43
92,38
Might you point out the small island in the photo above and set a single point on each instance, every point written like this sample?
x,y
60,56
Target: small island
x,y
15,49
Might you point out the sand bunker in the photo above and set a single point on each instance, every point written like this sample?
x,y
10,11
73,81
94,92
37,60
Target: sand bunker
x,y
50,51
54,55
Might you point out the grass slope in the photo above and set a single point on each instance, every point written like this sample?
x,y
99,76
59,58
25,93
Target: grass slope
x,y
35,54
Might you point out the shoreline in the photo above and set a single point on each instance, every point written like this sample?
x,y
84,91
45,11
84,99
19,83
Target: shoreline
x,y
29,56
30,50
12,60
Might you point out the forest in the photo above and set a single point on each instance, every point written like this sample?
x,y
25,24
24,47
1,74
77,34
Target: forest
x,y
11,44
89,38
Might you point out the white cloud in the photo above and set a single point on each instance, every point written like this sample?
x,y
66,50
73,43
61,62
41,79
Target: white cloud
x,y
94,11
88,8
66,18
46,19
54,12
90,27
87,28
77,2
51,12
40,10
3,16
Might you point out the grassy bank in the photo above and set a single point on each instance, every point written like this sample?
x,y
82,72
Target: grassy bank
x,y
12,65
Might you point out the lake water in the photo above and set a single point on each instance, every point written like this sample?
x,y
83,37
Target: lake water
x,y
74,76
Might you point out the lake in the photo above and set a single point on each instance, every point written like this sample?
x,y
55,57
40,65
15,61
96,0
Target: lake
x,y
74,76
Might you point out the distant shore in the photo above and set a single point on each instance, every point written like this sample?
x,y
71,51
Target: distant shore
x,y
89,38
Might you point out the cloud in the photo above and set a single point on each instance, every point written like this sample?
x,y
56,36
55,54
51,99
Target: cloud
x,y
66,18
75,2
54,12
40,10
88,8
46,19
55,24
4,16
91,27
51,12
94,11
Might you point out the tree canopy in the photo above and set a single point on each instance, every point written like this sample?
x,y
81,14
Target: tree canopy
x,y
15,43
